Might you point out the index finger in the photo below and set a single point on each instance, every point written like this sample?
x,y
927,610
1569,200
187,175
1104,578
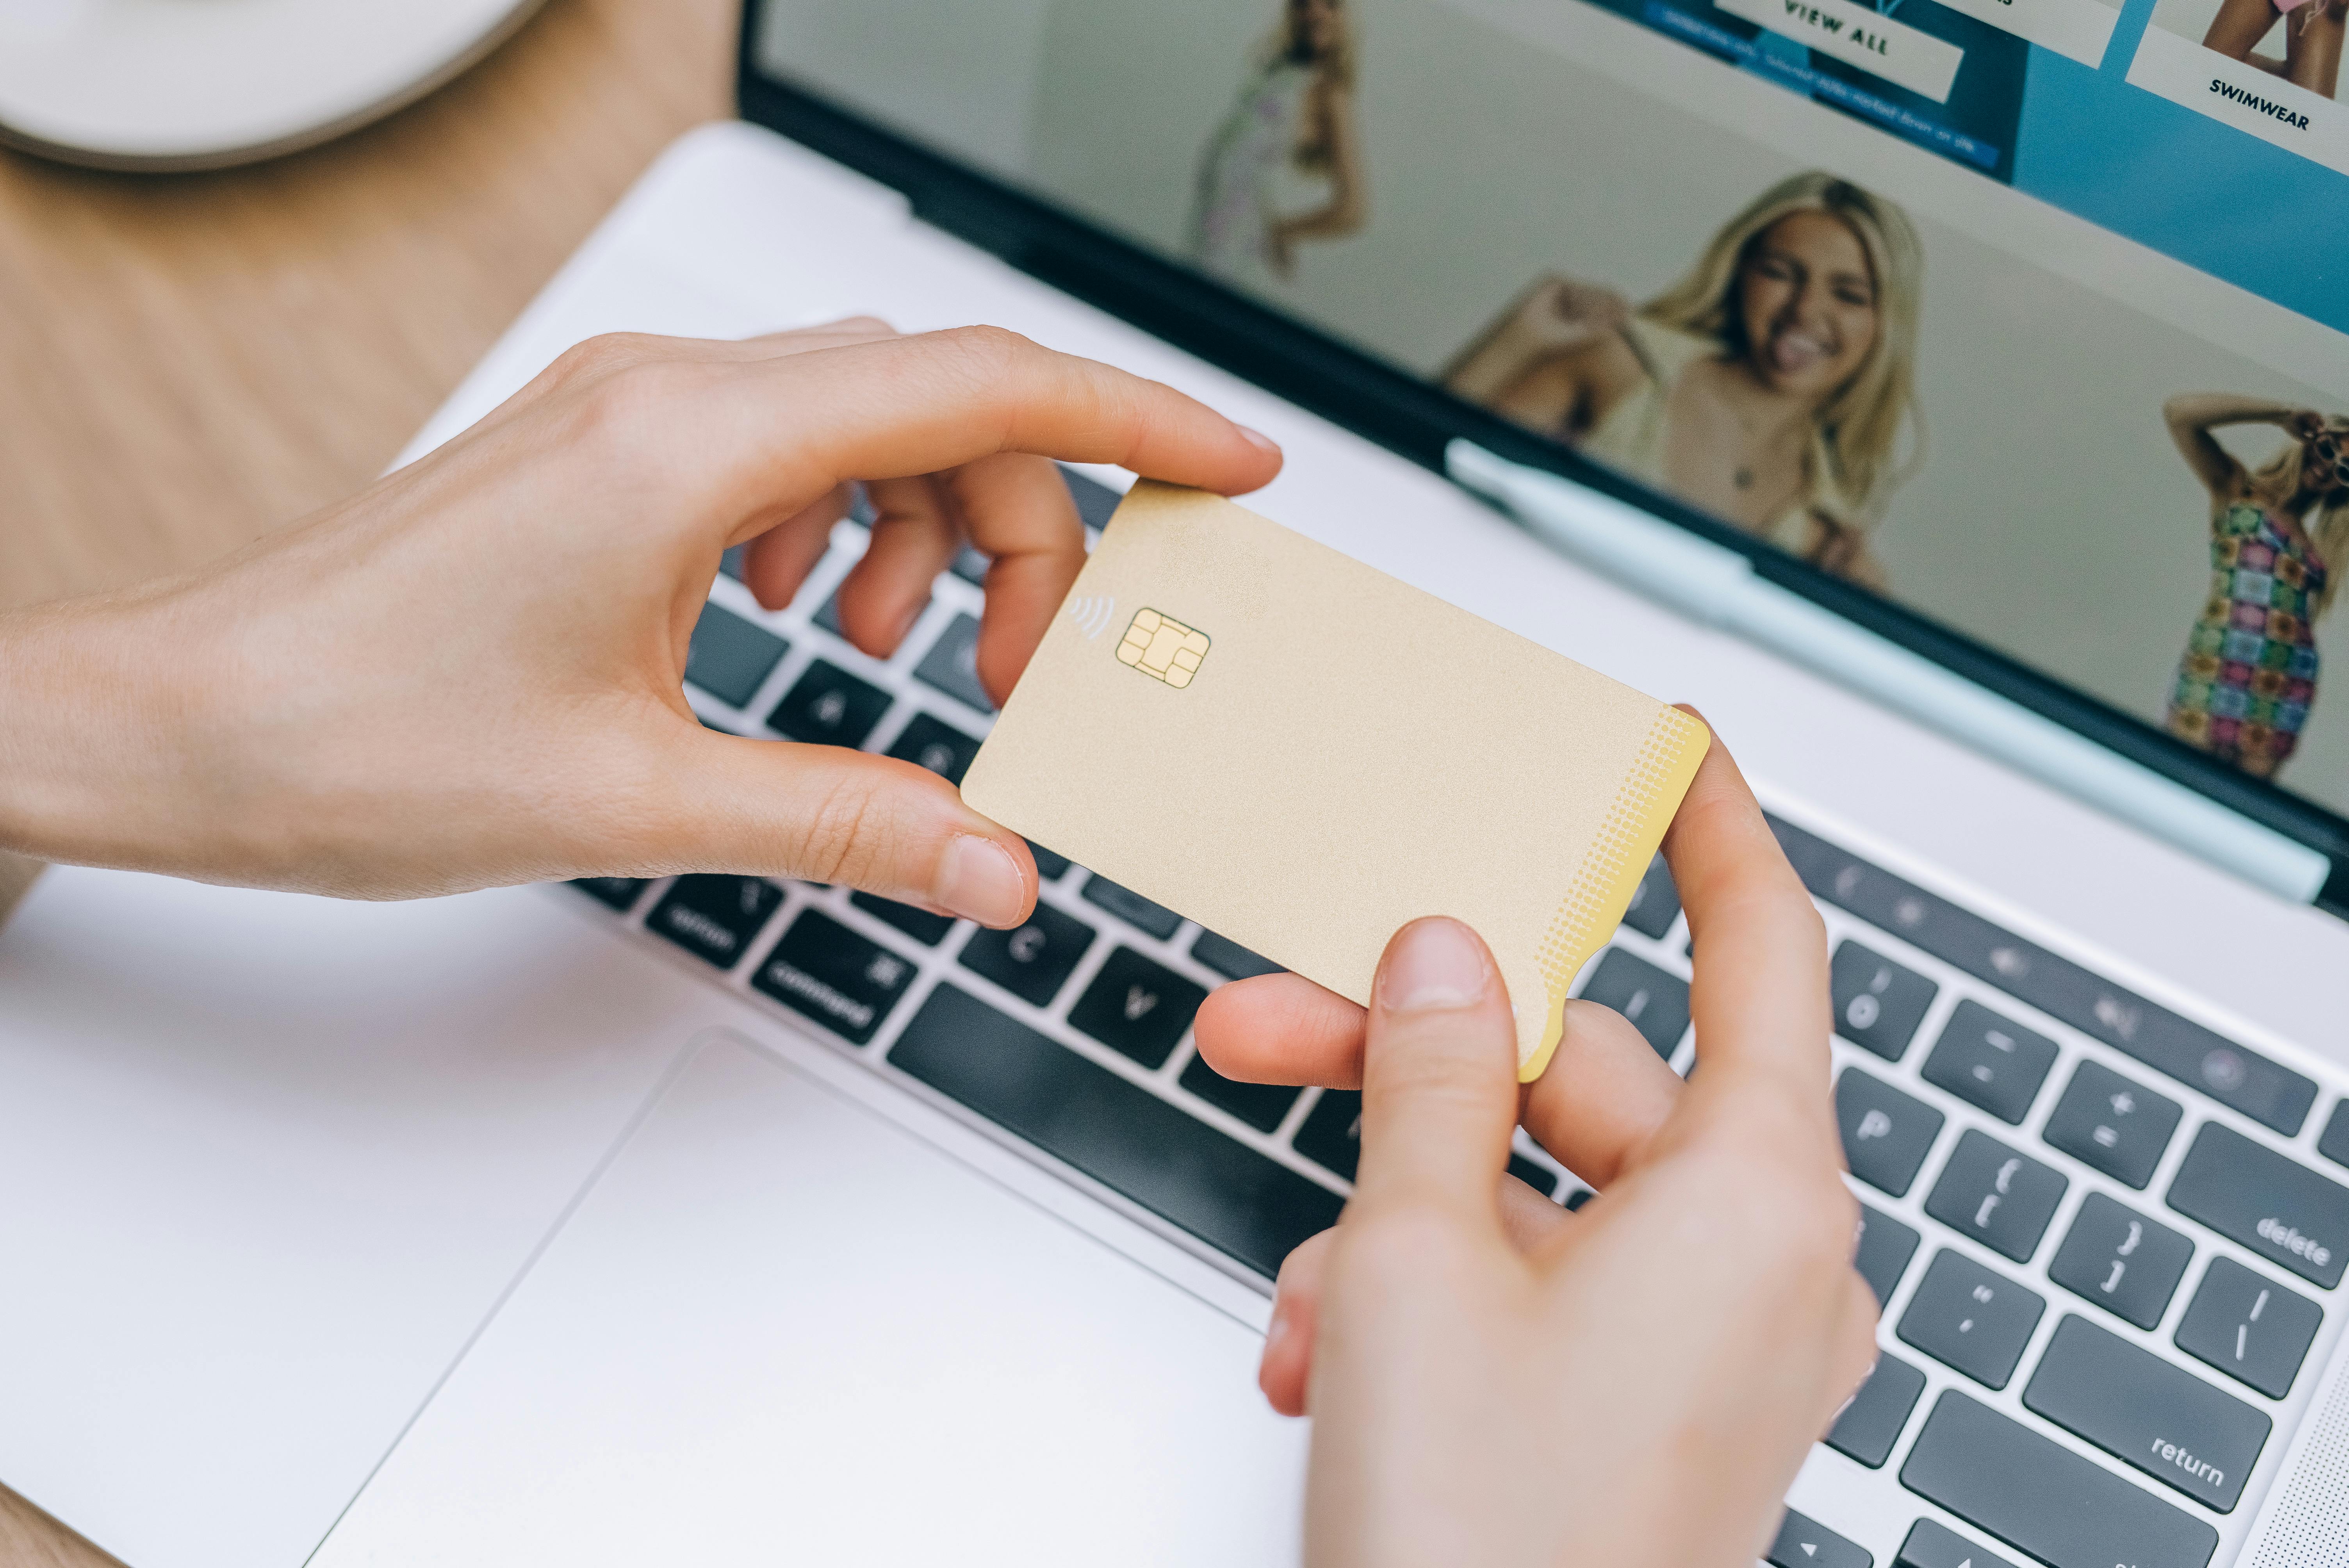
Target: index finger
x,y
891,408
1759,998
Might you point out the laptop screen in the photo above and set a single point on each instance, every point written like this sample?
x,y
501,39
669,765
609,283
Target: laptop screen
x,y
2027,315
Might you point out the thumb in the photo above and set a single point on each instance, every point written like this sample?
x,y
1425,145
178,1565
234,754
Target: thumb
x,y
829,814
1439,1076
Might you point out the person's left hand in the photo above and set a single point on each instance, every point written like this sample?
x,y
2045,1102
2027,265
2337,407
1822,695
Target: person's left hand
x,y
470,673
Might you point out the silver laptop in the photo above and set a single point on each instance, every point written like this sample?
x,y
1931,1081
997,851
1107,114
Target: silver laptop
x,y
720,1219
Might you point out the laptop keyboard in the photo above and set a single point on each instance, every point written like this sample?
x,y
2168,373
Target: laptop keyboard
x,y
2105,1237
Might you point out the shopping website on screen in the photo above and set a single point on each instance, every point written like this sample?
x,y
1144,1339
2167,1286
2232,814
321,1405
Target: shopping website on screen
x,y
2026,313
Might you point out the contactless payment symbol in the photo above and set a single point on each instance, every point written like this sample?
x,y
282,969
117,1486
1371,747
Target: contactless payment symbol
x,y
1163,648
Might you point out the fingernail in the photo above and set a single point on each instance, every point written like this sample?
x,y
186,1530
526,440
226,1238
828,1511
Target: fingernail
x,y
1438,966
978,880
1260,441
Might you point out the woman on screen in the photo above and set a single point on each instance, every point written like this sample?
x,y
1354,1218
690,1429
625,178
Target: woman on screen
x,y
2279,545
1771,386
2312,38
1285,166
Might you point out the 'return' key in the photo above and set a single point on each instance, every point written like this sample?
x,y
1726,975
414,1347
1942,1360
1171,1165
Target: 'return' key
x,y
1806,1543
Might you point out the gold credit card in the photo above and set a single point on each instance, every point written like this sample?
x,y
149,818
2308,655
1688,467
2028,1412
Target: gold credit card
x,y
1303,754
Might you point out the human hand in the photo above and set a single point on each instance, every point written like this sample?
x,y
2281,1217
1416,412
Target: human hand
x,y
469,674
1495,1380
1556,314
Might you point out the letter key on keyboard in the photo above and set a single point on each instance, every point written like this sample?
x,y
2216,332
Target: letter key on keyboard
x,y
2124,1262
932,743
952,664
1966,1316
1866,1430
2002,1199
728,657
1990,1062
1885,1245
2275,1206
1886,1133
829,706
1878,1004
2145,1412
1033,959
1137,1008
2035,1494
1220,1191
2249,1328
1654,1001
2111,1123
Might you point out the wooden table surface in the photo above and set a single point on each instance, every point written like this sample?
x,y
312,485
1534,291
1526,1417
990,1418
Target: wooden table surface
x,y
189,361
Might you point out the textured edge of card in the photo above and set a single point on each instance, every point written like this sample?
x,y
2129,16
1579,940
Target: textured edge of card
x,y
1613,863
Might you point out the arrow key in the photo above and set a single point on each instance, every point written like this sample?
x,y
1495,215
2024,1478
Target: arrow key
x,y
1806,1543
1930,1545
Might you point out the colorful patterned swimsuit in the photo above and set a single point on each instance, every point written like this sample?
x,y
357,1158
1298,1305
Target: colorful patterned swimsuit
x,y
2249,672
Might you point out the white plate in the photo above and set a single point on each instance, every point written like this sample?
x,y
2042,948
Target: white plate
x,y
201,84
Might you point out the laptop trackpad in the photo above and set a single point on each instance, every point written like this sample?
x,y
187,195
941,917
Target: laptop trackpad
x,y
781,1328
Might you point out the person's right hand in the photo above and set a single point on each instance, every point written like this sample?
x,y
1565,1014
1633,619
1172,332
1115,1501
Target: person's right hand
x,y
1496,1381
1558,314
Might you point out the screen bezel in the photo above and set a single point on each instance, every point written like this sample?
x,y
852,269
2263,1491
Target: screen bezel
x,y
1415,420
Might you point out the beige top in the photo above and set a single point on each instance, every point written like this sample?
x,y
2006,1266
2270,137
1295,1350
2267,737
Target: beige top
x,y
1631,436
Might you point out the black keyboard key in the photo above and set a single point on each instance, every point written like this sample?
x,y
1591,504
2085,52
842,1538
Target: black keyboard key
x,y
2041,1498
1655,902
1886,1133
1878,1004
828,616
2334,1142
1806,1543
1331,1133
1032,961
2124,1262
2111,1123
1260,1105
1096,500
2238,1078
1230,959
2249,1328
730,657
1049,866
1871,1424
620,893
1575,1199
1132,907
2276,1206
1540,1177
931,742
2144,1412
829,973
829,706
1930,1545
1228,1195
735,562
2002,1199
1137,1008
1656,1001
1885,1245
971,566
1990,1062
923,925
1969,1318
715,917
952,664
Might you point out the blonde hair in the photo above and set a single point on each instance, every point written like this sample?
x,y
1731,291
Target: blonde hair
x,y
2276,484
1291,45
1860,426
